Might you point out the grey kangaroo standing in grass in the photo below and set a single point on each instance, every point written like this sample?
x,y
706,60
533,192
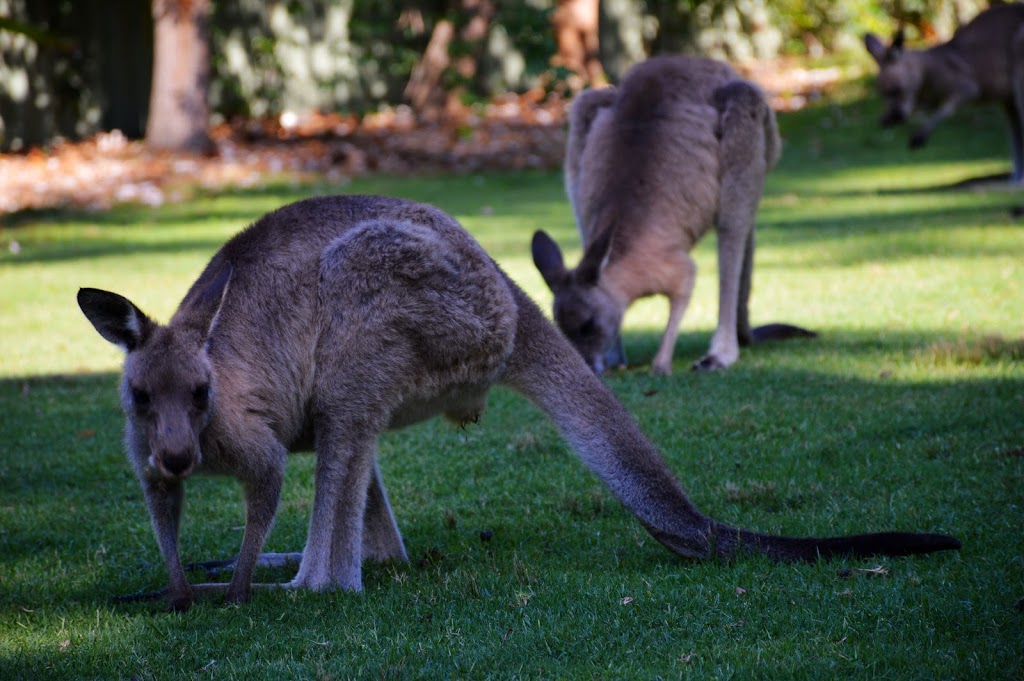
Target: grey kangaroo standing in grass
x,y
334,319
983,62
682,145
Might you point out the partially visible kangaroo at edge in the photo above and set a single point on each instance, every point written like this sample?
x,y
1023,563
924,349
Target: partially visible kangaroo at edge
x,y
983,62
334,319
682,145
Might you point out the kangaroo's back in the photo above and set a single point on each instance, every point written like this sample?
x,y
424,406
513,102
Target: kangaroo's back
x,y
305,278
652,160
681,147
985,45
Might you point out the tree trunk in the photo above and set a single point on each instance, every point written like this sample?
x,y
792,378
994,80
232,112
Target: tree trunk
x,y
576,34
424,90
178,109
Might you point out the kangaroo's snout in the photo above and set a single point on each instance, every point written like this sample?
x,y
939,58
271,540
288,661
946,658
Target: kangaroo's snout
x,y
177,464
892,117
174,451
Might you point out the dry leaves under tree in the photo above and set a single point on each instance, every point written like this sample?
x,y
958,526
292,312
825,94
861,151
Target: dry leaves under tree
x,y
513,132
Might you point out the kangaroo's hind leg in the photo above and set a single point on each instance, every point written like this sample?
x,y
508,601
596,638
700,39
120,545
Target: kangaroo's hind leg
x,y
381,539
743,332
743,160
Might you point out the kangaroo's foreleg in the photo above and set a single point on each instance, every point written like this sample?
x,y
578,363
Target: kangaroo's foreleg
x,y
262,495
165,500
678,301
949,106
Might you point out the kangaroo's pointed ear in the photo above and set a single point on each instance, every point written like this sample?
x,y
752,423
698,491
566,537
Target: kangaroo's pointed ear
x,y
115,317
897,41
875,47
547,256
202,304
594,258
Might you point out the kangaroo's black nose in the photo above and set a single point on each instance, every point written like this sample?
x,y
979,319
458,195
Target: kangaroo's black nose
x,y
892,117
176,463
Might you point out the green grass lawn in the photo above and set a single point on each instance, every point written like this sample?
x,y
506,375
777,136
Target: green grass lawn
x,y
907,413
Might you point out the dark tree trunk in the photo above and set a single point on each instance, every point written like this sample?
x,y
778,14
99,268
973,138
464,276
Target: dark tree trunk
x,y
178,108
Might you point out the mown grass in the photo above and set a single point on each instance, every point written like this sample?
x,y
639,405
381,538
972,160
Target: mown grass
x,y
906,413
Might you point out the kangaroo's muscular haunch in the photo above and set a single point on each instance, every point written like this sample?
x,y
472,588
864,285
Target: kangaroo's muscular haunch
x,y
334,319
683,145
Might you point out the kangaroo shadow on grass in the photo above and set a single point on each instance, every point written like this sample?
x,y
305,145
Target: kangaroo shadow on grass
x,y
991,182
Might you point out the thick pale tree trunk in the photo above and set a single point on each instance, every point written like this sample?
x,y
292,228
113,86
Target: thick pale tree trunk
x,y
178,109
622,36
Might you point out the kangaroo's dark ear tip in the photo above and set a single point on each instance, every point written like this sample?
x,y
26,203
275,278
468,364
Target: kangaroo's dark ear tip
x,y
86,294
545,249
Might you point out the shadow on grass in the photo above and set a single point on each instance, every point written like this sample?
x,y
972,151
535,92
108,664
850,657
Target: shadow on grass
x,y
137,230
51,464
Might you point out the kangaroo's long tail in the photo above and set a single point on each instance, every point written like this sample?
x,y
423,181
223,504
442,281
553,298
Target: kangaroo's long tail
x,y
548,370
728,542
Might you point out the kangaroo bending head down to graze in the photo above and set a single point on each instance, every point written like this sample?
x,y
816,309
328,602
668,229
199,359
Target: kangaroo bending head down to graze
x,y
683,145
333,319
983,62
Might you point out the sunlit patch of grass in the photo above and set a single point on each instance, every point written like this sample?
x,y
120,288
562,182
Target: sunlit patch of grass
x,y
970,353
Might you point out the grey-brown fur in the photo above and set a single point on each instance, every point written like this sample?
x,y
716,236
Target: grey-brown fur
x,y
983,62
334,319
682,146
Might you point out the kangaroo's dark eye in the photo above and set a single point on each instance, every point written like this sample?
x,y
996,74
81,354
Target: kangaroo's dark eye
x,y
588,328
140,399
201,397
